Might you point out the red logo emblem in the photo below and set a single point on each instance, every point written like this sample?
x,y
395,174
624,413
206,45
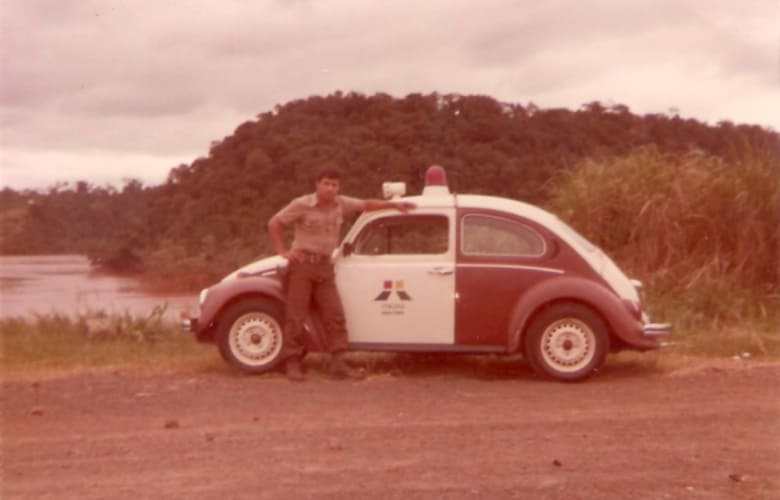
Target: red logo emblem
x,y
389,287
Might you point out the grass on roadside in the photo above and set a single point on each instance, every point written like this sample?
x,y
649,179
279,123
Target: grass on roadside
x,y
52,343
720,321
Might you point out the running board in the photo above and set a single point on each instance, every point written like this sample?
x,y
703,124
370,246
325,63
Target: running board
x,y
390,347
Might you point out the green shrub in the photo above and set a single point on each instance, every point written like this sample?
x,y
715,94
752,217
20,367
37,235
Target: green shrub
x,y
688,219
174,268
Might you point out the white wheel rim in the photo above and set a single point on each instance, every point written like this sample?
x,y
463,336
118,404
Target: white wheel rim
x,y
568,345
255,338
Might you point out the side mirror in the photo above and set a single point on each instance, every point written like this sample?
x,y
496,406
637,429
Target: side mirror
x,y
347,248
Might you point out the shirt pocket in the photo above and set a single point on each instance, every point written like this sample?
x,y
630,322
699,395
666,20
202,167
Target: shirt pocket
x,y
334,222
311,222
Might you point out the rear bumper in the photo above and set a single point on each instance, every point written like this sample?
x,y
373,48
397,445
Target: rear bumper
x,y
656,330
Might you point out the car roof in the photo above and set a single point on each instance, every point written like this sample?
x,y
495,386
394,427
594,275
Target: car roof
x,y
475,201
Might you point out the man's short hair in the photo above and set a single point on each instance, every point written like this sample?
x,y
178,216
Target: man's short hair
x,y
329,171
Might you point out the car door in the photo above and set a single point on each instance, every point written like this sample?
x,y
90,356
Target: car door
x,y
397,279
500,257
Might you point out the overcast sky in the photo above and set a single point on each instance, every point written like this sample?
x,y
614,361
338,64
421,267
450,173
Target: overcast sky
x,y
105,90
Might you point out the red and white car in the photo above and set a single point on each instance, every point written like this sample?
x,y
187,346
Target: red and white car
x,y
460,273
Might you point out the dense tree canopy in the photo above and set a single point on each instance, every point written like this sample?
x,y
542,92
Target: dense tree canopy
x,y
210,215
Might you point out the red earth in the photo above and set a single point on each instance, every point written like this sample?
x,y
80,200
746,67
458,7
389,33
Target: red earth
x,y
427,429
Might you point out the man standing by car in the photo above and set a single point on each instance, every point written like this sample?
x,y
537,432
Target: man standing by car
x,y
317,220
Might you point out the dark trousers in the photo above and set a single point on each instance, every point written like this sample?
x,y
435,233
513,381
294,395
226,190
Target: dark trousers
x,y
313,283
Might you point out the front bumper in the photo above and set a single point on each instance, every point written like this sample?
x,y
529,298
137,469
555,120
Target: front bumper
x,y
189,325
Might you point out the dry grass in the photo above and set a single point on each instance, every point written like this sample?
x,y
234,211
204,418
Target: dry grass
x,y
691,220
52,346
704,236
53,343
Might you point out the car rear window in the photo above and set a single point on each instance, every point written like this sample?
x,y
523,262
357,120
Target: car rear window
x,y
492,235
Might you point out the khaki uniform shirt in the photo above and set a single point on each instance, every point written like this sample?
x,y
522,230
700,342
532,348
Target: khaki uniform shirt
x,y
317,228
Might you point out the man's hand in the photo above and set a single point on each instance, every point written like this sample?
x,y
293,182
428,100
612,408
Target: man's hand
x,y
277,241
373,204
404,206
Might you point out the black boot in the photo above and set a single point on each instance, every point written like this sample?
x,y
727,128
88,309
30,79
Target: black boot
x,y
293,369
339,368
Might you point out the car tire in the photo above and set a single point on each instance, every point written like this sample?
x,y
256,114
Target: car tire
x,y
250,335
567,341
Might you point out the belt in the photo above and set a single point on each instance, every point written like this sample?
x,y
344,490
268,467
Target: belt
x,y
314,258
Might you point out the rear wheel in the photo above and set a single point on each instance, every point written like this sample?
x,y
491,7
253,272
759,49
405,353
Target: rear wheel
x,y
567,342
250,335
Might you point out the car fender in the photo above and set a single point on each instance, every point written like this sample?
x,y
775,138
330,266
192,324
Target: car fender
x,y
573,288
230,291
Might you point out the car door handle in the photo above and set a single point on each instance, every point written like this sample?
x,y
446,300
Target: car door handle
x,y
442,271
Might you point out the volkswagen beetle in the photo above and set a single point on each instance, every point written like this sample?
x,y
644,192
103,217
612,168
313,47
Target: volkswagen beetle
x,y
460,273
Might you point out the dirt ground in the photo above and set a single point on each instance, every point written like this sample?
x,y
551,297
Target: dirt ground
x,y
471,430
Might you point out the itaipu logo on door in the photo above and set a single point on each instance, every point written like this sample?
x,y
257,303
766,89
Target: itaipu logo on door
x,y
389,287
393,289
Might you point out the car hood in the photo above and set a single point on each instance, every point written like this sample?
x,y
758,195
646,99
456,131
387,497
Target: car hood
x,y
265,266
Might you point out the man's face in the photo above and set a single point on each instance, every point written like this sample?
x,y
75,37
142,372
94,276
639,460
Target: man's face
x,y
327,189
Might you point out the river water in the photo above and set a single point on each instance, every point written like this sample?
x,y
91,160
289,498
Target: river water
x,y
67,284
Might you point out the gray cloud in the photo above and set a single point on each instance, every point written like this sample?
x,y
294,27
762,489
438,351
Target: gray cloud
x,y
149,78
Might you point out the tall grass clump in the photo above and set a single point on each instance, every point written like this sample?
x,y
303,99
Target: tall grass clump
x,y
702,234
52,342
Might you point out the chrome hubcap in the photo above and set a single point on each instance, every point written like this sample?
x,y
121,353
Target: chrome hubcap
x,y
255,338
568,344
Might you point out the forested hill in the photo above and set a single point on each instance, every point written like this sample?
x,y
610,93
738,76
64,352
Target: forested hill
x,y
209,216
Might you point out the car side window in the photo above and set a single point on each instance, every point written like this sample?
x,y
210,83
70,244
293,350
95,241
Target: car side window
x,y
491,235
404,235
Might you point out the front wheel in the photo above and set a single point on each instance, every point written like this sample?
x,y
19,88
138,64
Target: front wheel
x,y
250,335
566,342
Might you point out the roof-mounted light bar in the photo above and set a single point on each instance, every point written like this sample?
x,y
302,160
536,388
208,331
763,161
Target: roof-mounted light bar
x,y
436,181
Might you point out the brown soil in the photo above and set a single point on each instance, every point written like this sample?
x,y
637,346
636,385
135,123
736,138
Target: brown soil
x,y
471,430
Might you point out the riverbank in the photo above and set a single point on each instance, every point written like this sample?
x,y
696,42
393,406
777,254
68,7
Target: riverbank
x,y
69,285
